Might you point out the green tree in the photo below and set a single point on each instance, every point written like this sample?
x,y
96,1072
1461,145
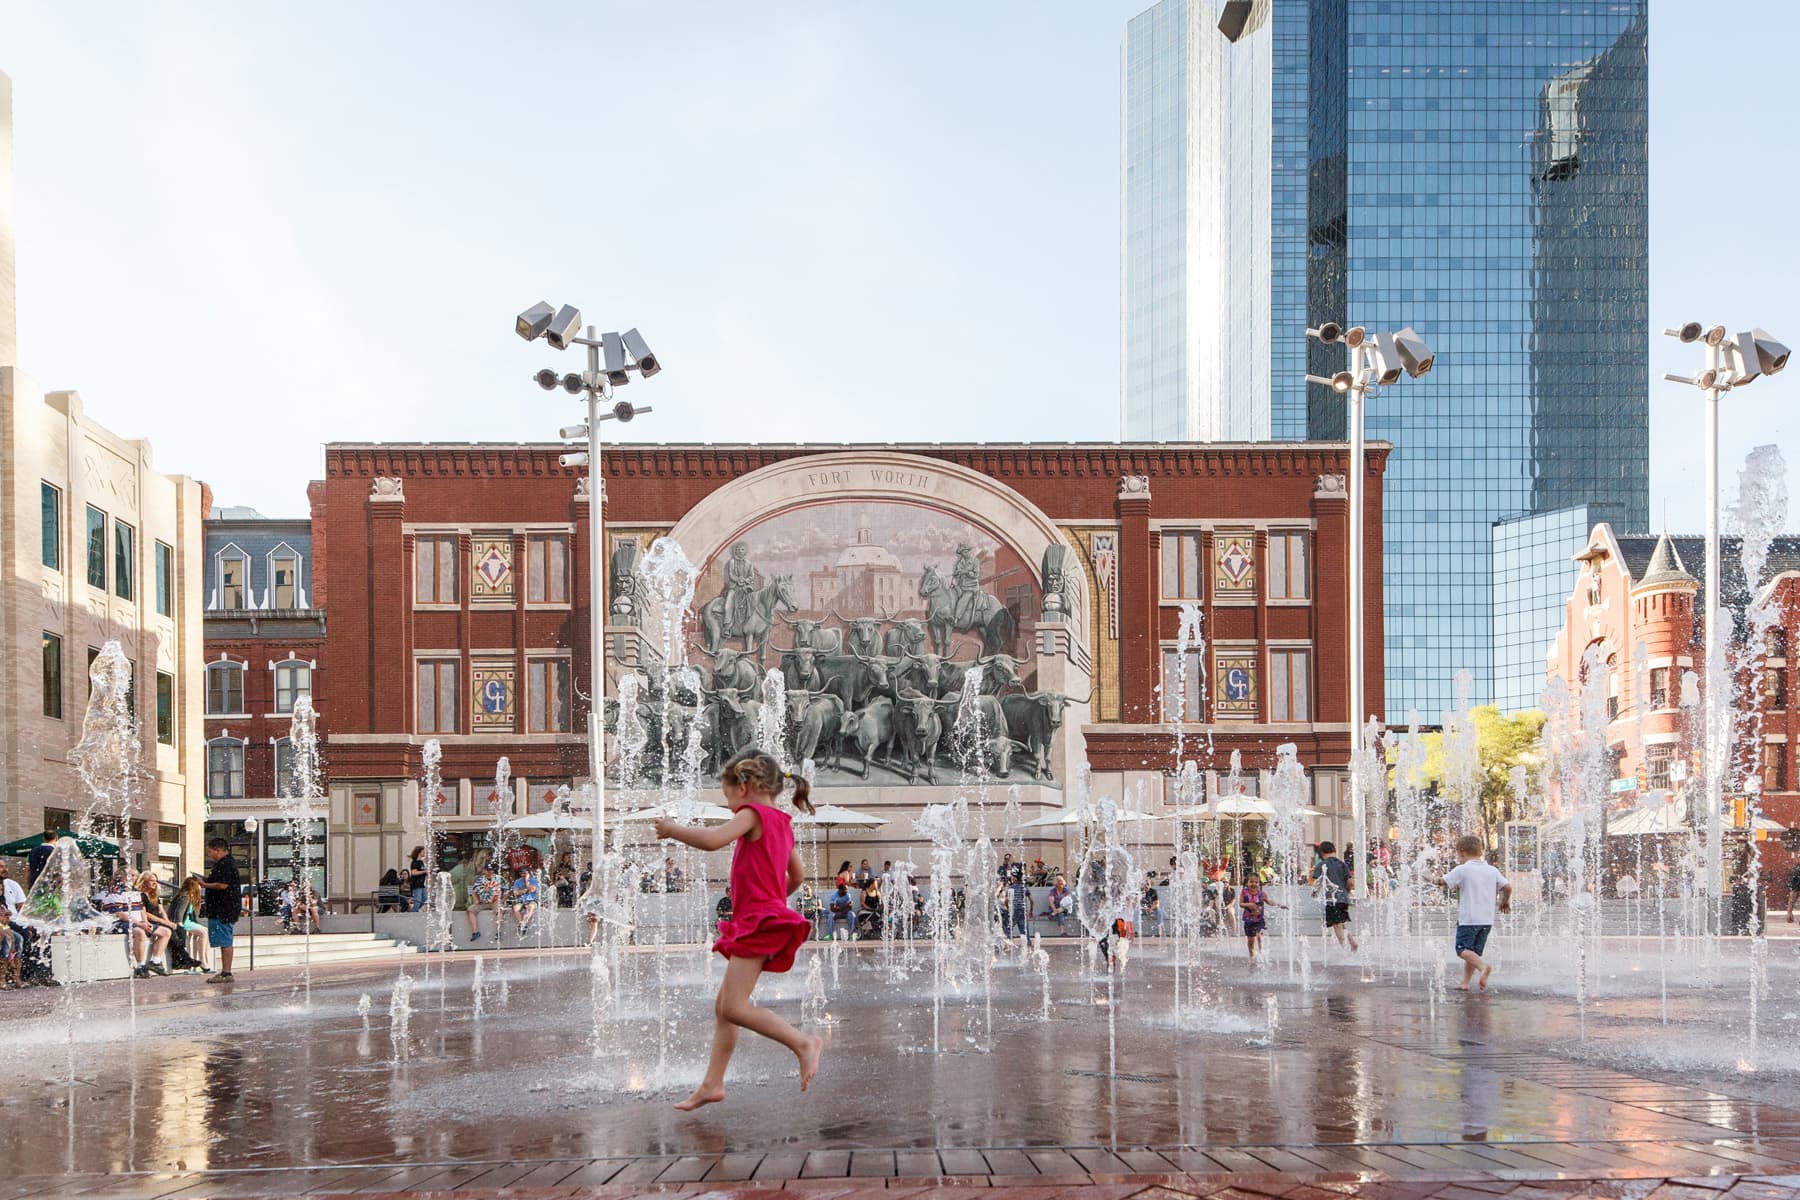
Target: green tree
x,y
1502,743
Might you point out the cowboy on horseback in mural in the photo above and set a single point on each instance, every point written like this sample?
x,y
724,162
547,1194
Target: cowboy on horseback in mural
x,y
740,585
965,580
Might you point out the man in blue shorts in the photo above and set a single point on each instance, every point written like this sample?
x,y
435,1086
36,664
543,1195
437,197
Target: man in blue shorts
x,y
222,904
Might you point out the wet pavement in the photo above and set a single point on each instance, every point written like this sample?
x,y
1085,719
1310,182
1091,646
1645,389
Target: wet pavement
x,y
260,1089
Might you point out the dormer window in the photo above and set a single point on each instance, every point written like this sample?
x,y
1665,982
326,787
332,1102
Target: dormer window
x,y
285,591
234,581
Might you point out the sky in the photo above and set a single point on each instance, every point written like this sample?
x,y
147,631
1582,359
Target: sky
x,y
248,230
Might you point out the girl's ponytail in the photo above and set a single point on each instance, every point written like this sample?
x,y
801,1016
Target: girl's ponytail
x,y
802,794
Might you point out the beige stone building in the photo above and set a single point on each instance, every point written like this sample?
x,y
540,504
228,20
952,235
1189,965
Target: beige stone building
x,y
95,545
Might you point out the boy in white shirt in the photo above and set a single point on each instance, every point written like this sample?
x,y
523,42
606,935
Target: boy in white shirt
x,y
1481,892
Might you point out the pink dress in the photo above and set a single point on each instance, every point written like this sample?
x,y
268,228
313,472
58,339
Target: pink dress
x,y
762,925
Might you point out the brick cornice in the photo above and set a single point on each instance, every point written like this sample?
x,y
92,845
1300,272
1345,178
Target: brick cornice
x,y
721,461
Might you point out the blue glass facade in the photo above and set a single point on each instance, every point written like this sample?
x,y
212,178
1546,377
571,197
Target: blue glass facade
x,y
1497,169
1532,577
1475,169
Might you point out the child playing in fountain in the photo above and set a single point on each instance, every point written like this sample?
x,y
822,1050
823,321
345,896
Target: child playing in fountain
x,y
763,932
1253,904
1481,892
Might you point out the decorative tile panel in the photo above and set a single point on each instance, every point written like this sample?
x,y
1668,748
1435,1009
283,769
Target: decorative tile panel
x,y
495,693
491,565
1234,684
1234,565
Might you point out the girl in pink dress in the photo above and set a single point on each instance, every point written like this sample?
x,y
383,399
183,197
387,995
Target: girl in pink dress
x,y
763,932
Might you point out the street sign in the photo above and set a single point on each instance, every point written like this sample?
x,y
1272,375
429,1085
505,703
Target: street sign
x,y
1624,785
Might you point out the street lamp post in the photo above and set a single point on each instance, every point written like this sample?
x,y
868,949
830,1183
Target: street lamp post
x,y
611,358
1730,362
1376,360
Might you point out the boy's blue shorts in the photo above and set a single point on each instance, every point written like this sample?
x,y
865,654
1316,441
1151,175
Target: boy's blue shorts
x,y
1472,937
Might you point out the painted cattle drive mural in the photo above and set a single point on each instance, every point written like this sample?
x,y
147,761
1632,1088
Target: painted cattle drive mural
x,y
903,636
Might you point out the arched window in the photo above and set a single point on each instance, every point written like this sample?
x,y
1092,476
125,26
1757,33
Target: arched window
x,y
225,768
293,679
285,784
224,688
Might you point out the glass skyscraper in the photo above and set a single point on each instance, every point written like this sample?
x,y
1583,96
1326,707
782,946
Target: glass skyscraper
x,y
1475,169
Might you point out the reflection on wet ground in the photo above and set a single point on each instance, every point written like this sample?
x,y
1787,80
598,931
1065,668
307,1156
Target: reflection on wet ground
x,y
192,1079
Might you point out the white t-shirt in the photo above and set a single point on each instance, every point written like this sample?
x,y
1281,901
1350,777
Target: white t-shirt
x,y
13,896
1477,884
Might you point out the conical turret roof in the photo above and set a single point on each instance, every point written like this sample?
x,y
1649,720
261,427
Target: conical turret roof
x,y
1665,566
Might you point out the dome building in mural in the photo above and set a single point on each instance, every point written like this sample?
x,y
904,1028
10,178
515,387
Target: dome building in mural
x,y
873,581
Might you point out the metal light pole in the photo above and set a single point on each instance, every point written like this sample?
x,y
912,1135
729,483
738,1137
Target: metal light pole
x,y
1730,362
1376,360
611,357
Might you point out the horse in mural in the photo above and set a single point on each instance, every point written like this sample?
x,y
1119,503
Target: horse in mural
x,y
757,619
984,615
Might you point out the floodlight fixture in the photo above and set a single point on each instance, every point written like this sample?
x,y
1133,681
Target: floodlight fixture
x,y
1355,336
572,431
1715,335
535,320
1415,355
1327,333
1339,383
563,327
640,353
575,458
1755,353
612,350
1689,332
571,383
1384,360
546,379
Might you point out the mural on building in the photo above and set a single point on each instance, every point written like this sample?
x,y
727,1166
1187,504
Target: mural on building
x,y
874,613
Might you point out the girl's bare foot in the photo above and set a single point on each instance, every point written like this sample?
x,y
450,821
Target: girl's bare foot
x,y
1485,972
809,1055
704,1095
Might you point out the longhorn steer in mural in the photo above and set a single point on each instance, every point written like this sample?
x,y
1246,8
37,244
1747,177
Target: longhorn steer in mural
x,y
918,730
869,729
1032,719
818,721
811,633
753,620
864,633
906,637
967,610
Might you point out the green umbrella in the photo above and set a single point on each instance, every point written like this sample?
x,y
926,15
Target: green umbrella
x,y
92,847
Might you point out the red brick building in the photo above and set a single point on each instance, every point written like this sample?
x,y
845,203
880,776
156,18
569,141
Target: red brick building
x,y
263,597
460,598
1634,624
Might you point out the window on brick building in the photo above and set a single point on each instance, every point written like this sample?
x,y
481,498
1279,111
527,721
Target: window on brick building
x,y
548,707
1775,767
1290,685
1659,687
293,679
1775,643
124,560
53,700
435,581
547,569
284,571
1657,760
165,579
285,783
1775,686
96,548
165,708
437,696
225,769
1181,566
1287,566
50,526
224,688
234,582
1181,692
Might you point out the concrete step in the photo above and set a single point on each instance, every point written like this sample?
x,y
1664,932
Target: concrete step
x,y
290,950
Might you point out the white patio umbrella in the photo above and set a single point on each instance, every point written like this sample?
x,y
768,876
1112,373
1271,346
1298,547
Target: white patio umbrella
x,y
833,816
548,822
704,814
1082,816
